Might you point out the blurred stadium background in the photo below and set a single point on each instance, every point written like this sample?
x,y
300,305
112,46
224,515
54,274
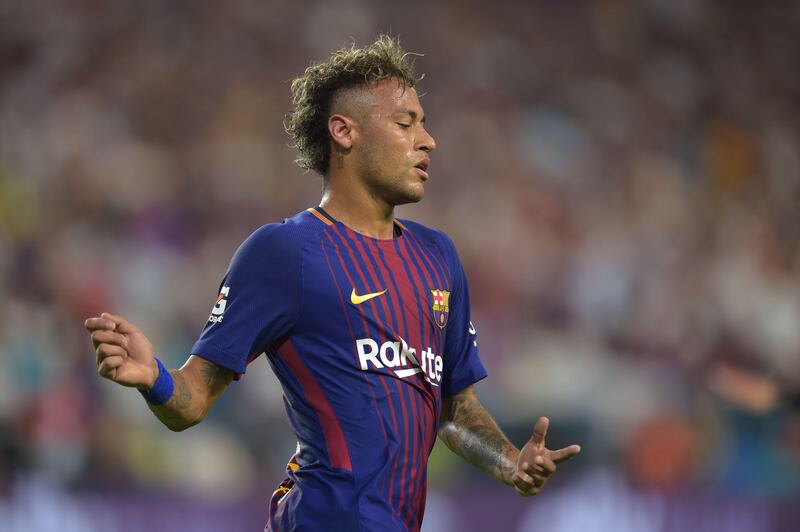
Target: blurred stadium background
x,y
622,180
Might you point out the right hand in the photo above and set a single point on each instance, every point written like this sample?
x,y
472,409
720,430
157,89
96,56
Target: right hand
x,y
124,354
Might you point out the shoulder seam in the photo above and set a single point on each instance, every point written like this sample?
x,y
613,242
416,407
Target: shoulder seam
x,y
319,216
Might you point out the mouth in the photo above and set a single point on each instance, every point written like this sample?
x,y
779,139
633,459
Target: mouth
x,y
422,168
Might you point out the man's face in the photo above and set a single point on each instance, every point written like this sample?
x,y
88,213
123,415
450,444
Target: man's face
x,y
392,147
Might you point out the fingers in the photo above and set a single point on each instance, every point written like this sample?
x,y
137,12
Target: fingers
x,y
110,322
104,336
96,324
122,325
523,481
105,351
108,344
524,484
542,466
108,367
540,430
562,455
537,463
529,479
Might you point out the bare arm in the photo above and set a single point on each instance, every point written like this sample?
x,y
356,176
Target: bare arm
x,y
124,355
198,385
470,431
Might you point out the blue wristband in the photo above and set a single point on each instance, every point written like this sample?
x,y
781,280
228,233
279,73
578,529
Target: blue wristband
x,y
162,388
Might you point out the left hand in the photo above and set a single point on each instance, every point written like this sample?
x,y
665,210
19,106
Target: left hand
x,y
537,463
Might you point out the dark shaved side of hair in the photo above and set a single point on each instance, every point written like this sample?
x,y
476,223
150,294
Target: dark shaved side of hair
x,y
314,92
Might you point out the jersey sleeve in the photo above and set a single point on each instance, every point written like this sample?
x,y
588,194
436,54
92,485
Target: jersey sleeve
x,y
259,299
463,366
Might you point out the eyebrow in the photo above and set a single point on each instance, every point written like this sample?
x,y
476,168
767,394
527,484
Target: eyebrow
x,y
412,114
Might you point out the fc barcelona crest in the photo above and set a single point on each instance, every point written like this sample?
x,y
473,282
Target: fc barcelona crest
x,y
441,306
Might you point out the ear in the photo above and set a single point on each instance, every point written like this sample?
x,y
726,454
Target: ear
x,y
340,128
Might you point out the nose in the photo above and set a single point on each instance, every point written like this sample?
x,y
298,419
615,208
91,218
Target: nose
x,y
425,141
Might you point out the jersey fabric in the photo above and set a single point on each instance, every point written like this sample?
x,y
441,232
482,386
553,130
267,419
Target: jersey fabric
x,y
366,337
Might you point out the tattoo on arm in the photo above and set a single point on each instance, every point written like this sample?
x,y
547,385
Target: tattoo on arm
x,y
174,412
213,374
196,387
182,395
471,432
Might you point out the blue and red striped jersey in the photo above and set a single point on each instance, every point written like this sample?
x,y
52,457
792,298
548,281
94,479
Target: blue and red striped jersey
x,y
365,336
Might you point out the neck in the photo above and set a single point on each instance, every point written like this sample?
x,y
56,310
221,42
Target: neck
x,y
354,206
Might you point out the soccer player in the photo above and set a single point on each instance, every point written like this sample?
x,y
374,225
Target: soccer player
x,y
364,318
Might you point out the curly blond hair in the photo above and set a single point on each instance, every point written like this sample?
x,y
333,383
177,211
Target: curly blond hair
x,y
316,89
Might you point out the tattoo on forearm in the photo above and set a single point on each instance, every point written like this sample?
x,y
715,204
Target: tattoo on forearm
x,y
173,412
212,373
471,432
197,385
182,394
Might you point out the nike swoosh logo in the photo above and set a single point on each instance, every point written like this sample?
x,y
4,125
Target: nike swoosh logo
x,y
357,299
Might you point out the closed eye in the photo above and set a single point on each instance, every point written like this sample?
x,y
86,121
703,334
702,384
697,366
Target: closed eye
x,y
404,126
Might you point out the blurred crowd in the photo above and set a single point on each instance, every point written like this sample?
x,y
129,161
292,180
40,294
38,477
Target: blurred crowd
x,y
622,180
